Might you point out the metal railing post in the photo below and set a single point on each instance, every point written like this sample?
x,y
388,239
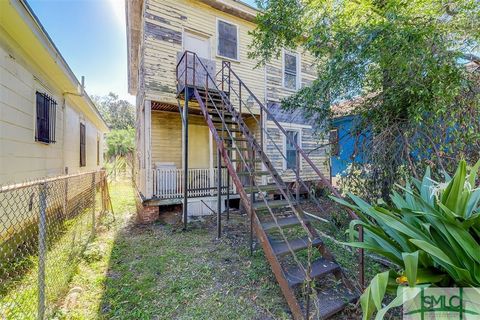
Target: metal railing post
x,y
42,249
93,204
297,181
219,193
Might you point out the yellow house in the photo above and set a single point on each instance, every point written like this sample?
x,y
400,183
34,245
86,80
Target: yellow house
x,y
158,32
48,124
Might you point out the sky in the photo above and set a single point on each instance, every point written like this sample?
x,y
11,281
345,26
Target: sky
x,y
91,36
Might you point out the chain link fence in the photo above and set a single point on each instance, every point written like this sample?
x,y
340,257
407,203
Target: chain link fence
x,y
45,226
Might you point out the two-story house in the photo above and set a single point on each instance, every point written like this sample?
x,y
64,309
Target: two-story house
x,y
217,31
210,131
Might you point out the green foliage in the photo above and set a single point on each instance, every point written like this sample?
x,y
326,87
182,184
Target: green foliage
x,y
120,142
404,58
119,114
431,232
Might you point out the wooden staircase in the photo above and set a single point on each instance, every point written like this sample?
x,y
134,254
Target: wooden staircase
x,y
313,284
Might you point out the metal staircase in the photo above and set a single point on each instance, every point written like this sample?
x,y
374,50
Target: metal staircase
x,y
313,284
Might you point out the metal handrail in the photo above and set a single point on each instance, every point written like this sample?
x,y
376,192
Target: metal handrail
x,y
287,196
300,151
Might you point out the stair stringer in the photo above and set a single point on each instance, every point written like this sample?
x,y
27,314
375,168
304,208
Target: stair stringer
x,y
260,233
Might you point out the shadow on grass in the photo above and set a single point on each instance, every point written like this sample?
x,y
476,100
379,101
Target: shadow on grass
x,y
159,272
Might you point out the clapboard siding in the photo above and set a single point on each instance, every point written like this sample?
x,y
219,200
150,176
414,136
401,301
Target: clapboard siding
x,y
164,22
21,157
274,76
310,143
167,140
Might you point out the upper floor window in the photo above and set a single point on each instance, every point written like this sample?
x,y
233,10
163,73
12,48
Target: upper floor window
x,y
83,145
46,118
227,35
291,151
290,70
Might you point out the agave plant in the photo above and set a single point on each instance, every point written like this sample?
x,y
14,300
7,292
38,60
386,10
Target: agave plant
x,y
431,232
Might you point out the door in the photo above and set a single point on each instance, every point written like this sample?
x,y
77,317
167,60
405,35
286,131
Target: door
x,y
198,44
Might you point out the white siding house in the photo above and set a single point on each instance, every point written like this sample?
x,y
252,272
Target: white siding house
x,y
32,68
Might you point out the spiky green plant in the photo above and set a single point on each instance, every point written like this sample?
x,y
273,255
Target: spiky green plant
x,y
431,232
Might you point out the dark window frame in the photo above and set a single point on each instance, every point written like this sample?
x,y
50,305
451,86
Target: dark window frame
x,y
46,118
83,145
221,38
286,71
291,151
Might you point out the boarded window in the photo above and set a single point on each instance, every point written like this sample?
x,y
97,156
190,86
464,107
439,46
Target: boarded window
x,y
83,142
227,40
46,116
334,145
290,72
291,151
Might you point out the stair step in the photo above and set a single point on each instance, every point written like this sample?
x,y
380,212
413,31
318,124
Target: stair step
x,y
260,205
236,148
264,188
247,160
256,173
334,299
218,120
283,222
236,139
280,247
219,128
320,268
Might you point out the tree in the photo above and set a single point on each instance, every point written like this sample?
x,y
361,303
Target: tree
x,y
406,59
120,141
119,114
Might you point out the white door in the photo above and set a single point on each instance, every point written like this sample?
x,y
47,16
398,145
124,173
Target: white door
x,y
198,44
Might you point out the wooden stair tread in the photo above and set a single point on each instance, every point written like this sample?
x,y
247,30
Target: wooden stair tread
x,y
256,173
260,205
281,248
265,188
283,222
320,267
334,299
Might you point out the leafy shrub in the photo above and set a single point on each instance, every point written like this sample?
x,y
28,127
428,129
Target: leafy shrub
x,y
431,232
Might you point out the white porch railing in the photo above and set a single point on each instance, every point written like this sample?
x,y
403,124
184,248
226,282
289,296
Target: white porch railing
x,y
168,183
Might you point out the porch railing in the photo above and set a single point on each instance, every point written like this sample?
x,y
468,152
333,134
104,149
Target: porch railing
x,y
168,183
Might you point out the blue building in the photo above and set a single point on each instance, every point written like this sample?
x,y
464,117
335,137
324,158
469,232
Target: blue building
x,y
346,145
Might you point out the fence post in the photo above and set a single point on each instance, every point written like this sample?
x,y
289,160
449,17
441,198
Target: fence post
x,y
65,200
42,233
93,204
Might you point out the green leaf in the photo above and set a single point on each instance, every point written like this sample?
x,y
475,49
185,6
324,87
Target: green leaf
x,y
411,266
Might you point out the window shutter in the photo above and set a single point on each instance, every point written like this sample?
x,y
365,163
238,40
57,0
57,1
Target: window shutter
x,y
83,157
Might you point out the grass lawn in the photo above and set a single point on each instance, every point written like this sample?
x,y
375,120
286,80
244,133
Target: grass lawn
x,y
160,272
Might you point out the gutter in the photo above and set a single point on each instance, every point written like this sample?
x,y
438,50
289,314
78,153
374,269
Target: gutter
x,y
63,62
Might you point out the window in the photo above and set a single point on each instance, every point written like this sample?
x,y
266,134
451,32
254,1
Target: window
x,y
290,71
46,116
227,35
291,151
83,142
98,151
334,145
